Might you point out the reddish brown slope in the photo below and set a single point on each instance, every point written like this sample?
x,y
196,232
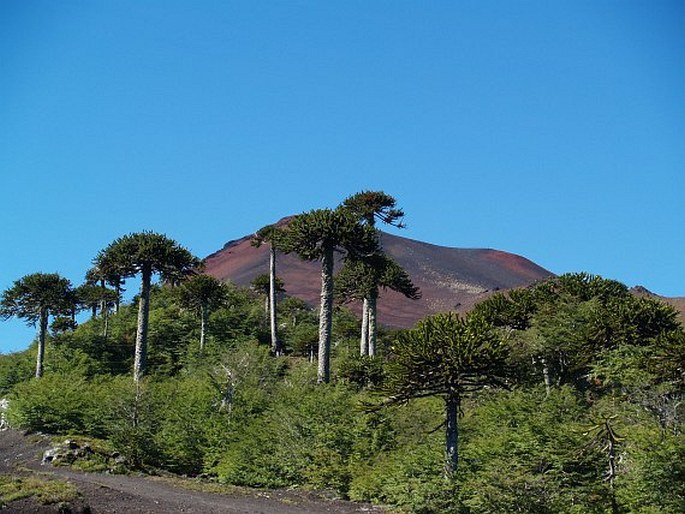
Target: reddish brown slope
x,y
677,303
449,278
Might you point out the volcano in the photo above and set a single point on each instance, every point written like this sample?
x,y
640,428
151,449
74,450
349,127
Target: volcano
x,y
450,279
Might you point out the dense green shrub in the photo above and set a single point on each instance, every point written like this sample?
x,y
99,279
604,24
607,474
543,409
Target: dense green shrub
x,y
16,368
58,404
306,438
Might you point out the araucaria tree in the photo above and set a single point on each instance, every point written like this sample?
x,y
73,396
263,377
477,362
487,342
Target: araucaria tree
x,y
109,276
368,207
317,235
361,278
147,254
202,294
272,235
35,298
448,356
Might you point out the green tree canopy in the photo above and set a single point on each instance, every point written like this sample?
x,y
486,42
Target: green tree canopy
x,y
34,298
202,294
147,254
370,206
317,235
447,356
361,279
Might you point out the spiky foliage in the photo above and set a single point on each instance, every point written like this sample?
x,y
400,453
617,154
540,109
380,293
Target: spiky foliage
x,y
448,356
147,254
34,298
370,206
361,279
106,274
317,235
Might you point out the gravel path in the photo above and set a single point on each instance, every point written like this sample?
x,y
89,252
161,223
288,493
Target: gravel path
x,y
121,494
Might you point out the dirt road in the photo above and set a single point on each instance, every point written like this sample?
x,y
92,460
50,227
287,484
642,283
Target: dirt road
x,y
119,494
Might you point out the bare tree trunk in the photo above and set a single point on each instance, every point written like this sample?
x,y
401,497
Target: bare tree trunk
x,y
227,400
43,330
117,302
372,326
364,341
325,317
275,343
545,376
203,326
451,434
105,321
103,301
140,359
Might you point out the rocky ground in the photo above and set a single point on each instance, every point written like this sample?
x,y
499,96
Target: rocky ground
x,y
103,493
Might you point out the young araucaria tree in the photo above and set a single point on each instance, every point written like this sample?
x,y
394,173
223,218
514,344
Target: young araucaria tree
x,y
447,356
202,294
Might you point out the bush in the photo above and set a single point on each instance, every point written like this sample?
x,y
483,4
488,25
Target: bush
x,y
15,368
306,438
58,404
131,421
185,410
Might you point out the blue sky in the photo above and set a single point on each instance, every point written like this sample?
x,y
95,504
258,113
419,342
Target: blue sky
x,y
554,130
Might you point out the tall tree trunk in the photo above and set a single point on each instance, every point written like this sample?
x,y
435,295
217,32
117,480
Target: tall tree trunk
x,y
227,400
372,325
325,317
204,314
276,347
451,434
140,359
103,300
43,330
117,302
364,341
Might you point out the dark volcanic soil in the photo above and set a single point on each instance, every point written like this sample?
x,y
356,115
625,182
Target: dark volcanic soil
x,y
112,494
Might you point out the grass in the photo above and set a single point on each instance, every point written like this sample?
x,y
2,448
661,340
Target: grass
x,y
44,491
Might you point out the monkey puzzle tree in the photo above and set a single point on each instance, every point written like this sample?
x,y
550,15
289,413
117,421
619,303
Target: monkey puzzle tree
x,y
35,298
369,206
108,276
272,235
447,356
361,278
202,294
261,285
317,235
147,254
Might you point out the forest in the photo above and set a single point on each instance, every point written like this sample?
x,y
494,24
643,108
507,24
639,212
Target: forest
x,y
562,397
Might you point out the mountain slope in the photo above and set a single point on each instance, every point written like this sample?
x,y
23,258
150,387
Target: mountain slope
x,y
449,278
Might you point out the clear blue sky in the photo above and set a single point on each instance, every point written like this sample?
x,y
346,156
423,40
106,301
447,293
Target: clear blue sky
x,y
551,129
